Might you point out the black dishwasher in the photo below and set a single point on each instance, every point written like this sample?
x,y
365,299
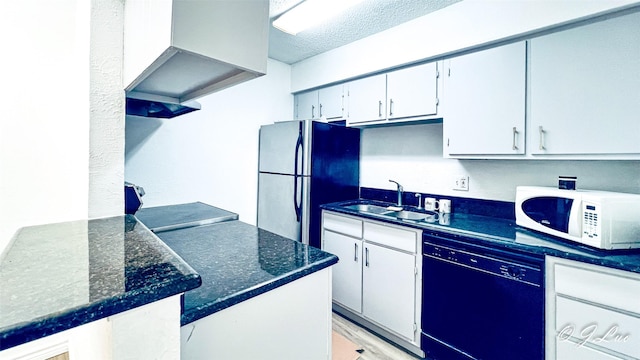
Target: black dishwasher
x,y
480,302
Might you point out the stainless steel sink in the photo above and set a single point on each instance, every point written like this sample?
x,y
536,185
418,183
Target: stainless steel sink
x,y
386,212
409,215
373,209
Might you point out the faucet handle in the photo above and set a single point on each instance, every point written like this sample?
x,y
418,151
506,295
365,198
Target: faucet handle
x,y
419,196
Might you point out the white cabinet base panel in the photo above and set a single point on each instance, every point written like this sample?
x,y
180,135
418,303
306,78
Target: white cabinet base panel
x,y
151,331
290,322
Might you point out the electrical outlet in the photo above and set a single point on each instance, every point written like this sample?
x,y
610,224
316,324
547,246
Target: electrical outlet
x,y
461,183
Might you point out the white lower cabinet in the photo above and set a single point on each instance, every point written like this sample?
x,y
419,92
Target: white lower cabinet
x,y
388,289
348,271
593,312
376,279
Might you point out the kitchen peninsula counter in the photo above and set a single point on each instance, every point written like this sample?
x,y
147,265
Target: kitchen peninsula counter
x,y
60,276
237,262
262,296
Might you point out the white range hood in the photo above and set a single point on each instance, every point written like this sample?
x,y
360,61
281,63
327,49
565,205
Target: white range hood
x,y
179,50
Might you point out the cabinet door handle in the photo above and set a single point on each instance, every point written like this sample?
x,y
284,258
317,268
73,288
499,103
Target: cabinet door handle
x,y
366,257
379,108
541,130
515,138
390,107
355,252
313,111
320,110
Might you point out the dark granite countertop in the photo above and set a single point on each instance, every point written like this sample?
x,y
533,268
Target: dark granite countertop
x,y
172,217
238,261
58,276
504,233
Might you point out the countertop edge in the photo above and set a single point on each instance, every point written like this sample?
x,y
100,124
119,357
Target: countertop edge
x,y
51,323
217,305
599,257
47,325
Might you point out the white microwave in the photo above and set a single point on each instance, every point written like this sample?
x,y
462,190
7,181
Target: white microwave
x,y
602,219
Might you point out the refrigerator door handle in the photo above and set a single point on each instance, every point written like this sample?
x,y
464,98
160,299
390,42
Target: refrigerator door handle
x,y
297,200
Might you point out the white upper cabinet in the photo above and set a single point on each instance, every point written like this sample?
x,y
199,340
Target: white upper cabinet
x,y
306,105
331,102
412,92
585,89
403,95
326,103
367,100
485,102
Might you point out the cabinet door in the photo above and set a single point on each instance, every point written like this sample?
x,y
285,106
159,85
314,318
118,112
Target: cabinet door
x,y
388,287
367,99
585,89
330,102
485,108
412,92
347,273
307,106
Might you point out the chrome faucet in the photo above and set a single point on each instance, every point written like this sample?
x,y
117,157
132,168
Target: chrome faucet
x,y
400,190
419,196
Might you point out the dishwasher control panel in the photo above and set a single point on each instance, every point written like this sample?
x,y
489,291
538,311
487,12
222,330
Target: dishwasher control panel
x,y
507,268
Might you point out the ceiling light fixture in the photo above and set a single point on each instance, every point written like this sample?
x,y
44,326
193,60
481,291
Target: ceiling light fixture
x,y
310,13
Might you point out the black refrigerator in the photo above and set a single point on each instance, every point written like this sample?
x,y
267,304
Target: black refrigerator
x,y
302,165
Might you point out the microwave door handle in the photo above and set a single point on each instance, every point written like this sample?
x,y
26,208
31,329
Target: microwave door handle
x,y
575,218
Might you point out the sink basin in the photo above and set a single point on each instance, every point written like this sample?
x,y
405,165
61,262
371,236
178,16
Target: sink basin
x,y
409,215
387,212
373,209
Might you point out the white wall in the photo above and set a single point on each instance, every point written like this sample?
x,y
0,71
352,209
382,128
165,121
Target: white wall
x,y
53,99
210,155
106,132
463,25
412,155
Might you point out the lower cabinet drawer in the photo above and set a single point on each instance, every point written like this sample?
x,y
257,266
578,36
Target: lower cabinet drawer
x,y
614,288
598,326
342,224
393,237
567,350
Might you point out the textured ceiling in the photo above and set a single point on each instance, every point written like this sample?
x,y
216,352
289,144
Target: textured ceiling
x,y
362,20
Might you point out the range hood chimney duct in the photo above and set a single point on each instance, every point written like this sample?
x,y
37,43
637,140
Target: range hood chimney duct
x,y
176,51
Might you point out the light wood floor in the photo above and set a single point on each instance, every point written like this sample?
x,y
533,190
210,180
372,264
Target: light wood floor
x,y
374,347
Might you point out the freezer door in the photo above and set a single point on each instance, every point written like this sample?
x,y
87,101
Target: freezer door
x,y
277,204
278,144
